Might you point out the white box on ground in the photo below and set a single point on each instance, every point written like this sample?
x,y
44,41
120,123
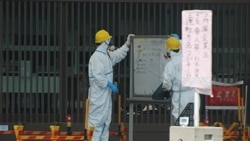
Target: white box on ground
x,y
189,133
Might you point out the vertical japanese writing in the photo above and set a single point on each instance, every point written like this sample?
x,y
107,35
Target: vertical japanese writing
x,y
196,44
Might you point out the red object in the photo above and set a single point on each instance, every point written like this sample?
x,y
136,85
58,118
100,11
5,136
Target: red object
x,y
68,118
206,121
223,96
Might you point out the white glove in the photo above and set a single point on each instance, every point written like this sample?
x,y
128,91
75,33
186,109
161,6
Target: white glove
x,y
129,39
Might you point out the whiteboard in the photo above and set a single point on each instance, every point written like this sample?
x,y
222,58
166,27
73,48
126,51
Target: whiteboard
x,y
146,64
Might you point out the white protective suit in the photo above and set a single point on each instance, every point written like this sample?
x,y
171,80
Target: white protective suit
x,y
100,103
172,81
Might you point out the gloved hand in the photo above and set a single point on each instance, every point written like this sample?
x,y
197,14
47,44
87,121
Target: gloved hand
x,y
128,42
113,87
165,87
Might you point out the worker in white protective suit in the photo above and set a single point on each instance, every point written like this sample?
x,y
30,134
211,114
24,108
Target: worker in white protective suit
x,y
172,79
100,73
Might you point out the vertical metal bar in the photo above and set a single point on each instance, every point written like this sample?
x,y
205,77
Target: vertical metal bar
x,y
63,60
103,8
122,78
97,14
55,62
32,99
1,60
19,97
13,65
87,46
137,18
235,42
77,53
108,18
224,49
37,99
148,10
25,96
230,49
116,7
142,6
130,15
135,106
154,11
227,48
178,21
220,50
160,8
150,18
133,15
48,62
166,18
66,52
217,39
247,50
86,30
123,94
8,58
117,69
171,15
99,6
92,27
42,93
124,33
241,41
142,18
247,36
72,68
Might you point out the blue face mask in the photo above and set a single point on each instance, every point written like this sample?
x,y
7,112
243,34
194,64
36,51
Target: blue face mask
x,y
109,44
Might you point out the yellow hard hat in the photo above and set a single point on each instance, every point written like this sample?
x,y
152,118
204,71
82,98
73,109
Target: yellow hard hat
x,y
173,43
101,36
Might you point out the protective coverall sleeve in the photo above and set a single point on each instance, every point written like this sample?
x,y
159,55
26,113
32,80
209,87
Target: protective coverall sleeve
x,y
167,78
117,55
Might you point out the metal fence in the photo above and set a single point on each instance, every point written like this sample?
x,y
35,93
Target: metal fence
x,y
45,47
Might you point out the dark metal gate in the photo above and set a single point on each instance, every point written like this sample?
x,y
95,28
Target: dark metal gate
x,y
45,47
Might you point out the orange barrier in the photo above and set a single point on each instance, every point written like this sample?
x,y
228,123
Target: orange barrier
x,y
53,136
56,135
234,132
41,132
7,132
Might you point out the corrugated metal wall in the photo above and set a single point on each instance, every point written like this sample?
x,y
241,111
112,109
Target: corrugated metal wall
x,y
45,47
